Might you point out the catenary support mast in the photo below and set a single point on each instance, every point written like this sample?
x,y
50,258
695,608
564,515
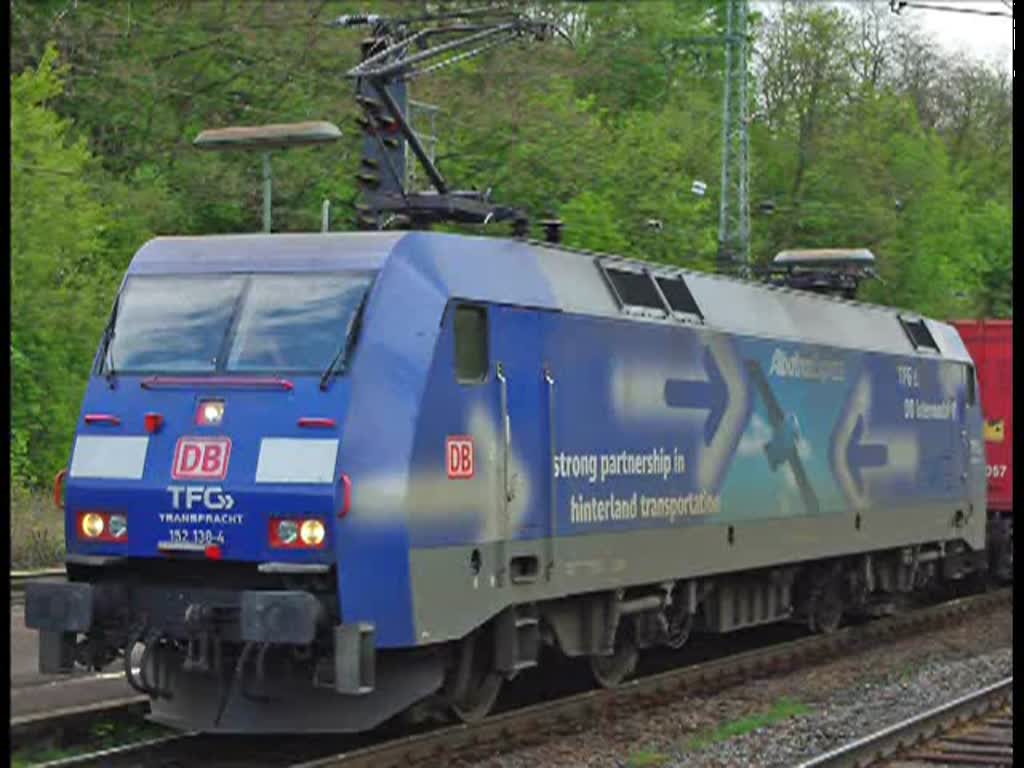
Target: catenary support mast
x,y
734,203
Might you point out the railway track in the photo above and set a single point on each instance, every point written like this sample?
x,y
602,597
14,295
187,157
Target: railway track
x,y
20,578
974,730
536,723
68,721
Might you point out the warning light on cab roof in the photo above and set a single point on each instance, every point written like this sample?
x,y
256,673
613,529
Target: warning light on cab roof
x,y
210,413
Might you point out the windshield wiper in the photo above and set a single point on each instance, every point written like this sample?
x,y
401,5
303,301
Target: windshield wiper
x,y
107,362
333,369
341,359
229,331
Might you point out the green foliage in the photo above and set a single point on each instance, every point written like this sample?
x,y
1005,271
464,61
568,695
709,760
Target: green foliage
x,y
37,530
865,135
58,224
989,229
647,759
101,736
590,223
783,709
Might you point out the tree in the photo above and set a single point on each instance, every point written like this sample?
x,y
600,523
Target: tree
x,y
58,277
866,134
591,223
990,227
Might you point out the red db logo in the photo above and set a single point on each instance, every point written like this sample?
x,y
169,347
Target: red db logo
x,y
460,456
201,458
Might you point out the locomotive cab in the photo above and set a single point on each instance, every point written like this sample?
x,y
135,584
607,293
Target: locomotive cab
x,y
205,485
210,426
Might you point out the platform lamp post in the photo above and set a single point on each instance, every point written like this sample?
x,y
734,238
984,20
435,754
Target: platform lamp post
x,y
265,139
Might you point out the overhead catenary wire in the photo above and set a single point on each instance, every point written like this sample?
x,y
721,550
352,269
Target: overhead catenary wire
x,y
152,79
247,57
465,55
898,5
397,52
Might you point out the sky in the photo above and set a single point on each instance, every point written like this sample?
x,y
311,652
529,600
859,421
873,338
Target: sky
x,y
986,37
989,38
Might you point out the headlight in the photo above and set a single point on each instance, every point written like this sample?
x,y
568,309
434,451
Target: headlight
x,y
312,533
118,526
92,525
297,533
287,531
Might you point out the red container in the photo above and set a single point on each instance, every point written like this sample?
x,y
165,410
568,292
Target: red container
x,y
990,343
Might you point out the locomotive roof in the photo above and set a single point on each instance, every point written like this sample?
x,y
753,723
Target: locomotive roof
x,y
274,253
542,275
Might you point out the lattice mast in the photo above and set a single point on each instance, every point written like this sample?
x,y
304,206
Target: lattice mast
x,y
734,204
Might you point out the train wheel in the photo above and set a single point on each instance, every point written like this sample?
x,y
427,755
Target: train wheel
x,y
474,687
825,611
678,625
478,704
610,671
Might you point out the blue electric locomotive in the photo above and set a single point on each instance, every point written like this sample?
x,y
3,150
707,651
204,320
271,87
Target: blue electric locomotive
x,y
323,478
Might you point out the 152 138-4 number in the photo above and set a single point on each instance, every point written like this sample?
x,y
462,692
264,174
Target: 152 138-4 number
x,y
196,536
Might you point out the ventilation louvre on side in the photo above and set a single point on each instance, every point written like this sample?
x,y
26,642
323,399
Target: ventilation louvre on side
x,y
919,334
634,289
679,297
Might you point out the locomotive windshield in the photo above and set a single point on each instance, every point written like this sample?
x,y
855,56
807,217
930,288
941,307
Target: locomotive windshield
x,y
296,323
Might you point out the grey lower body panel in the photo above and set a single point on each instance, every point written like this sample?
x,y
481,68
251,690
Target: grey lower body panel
x,y
449,600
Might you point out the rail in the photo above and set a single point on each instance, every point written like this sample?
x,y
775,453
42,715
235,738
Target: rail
x,y
904,735
20,578
536,723
26,729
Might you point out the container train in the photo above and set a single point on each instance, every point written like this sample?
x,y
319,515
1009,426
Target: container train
x,y
327,478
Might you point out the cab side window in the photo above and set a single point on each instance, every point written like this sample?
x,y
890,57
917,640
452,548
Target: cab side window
x,y
471,359
972,395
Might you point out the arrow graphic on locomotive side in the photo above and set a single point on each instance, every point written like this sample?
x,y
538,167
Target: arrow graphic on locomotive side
x,y
861,456
710,394
871,457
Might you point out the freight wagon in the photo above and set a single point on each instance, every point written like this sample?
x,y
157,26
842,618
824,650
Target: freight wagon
x,y
325,477
990,343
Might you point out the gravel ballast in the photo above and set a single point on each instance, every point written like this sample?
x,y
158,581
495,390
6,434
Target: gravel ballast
x,y
857,711
783,720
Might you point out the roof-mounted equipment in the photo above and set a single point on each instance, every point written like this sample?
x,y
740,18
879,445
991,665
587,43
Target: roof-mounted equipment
x,y
396,52
830,271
